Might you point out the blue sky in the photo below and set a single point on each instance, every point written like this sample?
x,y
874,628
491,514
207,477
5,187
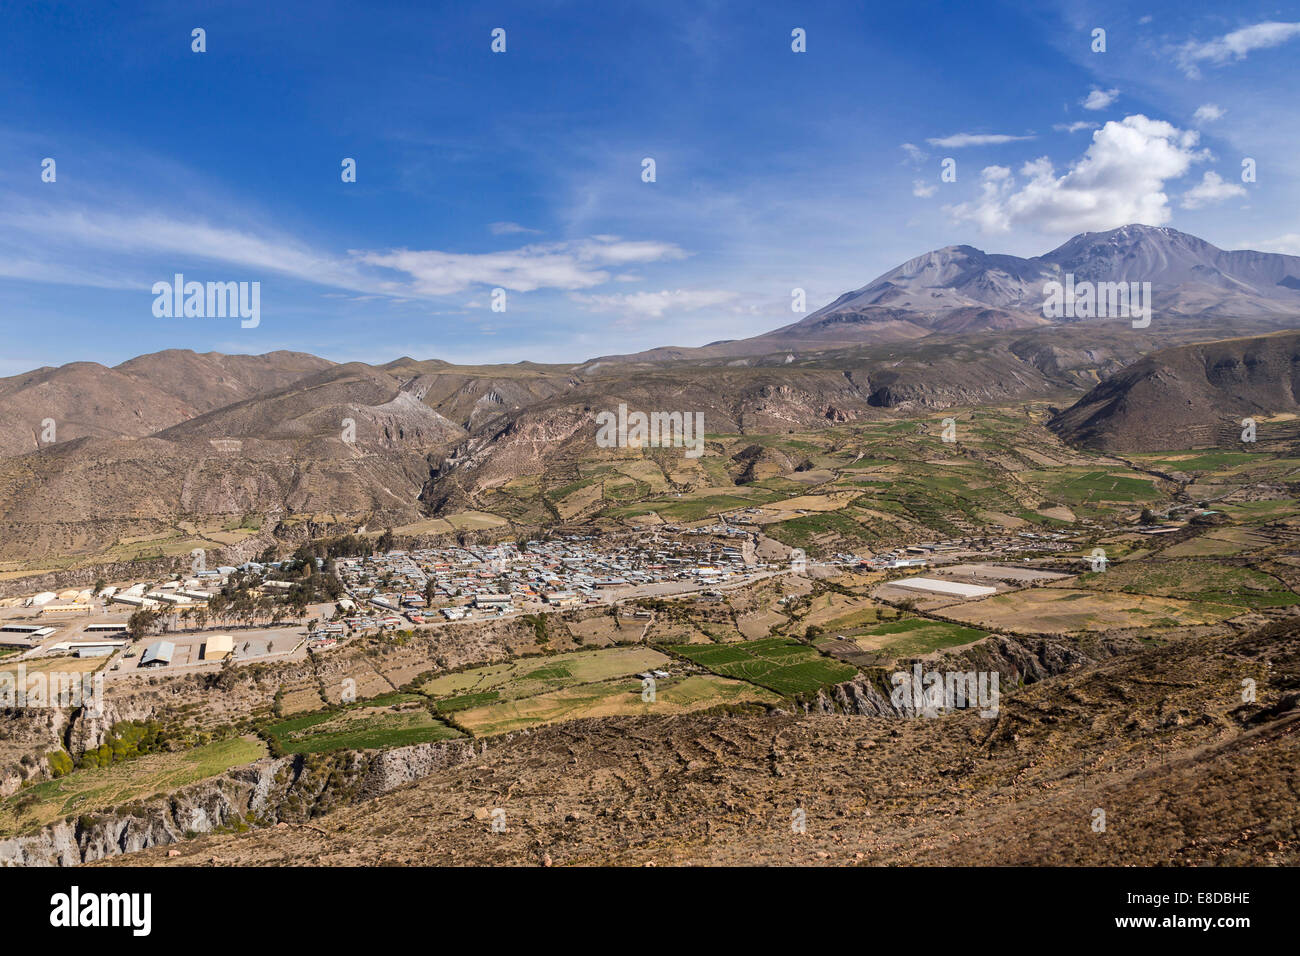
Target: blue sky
x,y
523,170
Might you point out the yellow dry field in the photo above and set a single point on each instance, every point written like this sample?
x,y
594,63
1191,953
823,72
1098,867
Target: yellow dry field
x,y
603,630
646,471
612,699
1067,610
301,698
47,665
470,520
580,500
526,676
830,502
757,624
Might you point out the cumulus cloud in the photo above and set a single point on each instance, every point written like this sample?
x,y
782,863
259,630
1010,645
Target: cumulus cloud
x,y
1212,188
1208,113
958,140
655,304
923,190
1235,45
1119,179
1099,99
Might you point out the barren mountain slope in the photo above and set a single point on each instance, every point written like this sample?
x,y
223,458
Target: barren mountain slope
x,y
138,397
1160,740
961,288
1192,396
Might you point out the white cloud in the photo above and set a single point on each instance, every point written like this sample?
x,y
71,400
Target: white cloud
x,y
1099,99
914,152
572,264
556,265
1212,188
509,229
958,140
1235,45
655,304
1208,113
1288,245
923,190
1119,179
1075,126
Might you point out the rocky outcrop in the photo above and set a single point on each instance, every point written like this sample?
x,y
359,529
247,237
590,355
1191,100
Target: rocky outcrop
x,y
1016,660
285,790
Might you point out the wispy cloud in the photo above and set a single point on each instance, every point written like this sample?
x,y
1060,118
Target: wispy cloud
x,y
177,243
914,152
655,304
579,264
510,229
1235,45
958,140
1288,244
1075,127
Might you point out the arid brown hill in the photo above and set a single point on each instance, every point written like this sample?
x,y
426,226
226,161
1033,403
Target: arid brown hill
x,y
1192,396
138,397
1160,740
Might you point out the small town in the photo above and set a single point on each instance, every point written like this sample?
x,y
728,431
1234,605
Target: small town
x,y
282,610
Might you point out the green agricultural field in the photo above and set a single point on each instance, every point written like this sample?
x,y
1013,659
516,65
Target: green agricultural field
x,y
780,664
1194,581
395,720
529,676
1082,488
101,789
609,699
915,637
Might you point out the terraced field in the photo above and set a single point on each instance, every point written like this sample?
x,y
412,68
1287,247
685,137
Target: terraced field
x,y
102,788
780,664
1053,610
1194,581
611,699
395,720
531,676
911,637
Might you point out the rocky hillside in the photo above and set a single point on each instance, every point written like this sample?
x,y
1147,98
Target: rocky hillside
x,y
1192,396
138,397
1160,740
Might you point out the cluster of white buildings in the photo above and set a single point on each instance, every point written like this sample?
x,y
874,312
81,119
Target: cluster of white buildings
x,y
567,571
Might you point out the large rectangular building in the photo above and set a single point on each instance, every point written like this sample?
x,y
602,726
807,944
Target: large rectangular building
x,y
946,588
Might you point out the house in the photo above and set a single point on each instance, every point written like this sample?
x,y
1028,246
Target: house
x,y
158,653
218,647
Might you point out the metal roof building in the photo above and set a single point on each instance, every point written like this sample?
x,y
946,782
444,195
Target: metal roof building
x,y
159,652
